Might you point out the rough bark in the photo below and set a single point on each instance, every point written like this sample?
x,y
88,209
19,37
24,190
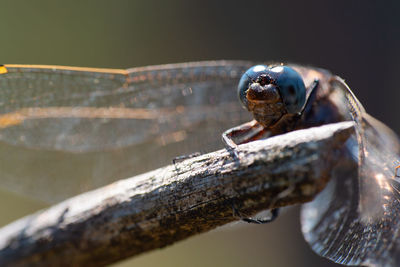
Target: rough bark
x,y
169,204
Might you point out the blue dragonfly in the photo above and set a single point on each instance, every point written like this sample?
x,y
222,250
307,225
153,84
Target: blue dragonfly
x,y
66,130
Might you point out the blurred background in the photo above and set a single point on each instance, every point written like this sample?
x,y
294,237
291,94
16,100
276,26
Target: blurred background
x,y
358,40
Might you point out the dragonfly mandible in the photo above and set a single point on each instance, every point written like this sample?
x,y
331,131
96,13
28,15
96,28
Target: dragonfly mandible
x,y
65,130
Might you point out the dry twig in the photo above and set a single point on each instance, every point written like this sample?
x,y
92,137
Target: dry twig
x,y
163,206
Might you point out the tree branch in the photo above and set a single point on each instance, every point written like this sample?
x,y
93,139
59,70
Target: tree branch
x,y
163,206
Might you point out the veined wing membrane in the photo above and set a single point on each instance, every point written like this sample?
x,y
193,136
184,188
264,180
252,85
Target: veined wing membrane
x,y
66,130
357,221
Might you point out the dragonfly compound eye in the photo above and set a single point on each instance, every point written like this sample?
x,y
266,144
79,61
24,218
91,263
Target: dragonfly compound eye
x,y
291,87
286,80
251,76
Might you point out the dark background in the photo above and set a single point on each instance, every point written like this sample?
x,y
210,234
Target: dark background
x,y
358,40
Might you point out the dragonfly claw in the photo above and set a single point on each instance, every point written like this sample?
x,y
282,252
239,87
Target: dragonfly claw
x,y
274,215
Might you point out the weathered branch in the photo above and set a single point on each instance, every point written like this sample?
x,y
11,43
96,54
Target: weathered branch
x,y
158,208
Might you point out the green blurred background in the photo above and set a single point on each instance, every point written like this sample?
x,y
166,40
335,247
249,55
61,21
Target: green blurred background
x,y
358,40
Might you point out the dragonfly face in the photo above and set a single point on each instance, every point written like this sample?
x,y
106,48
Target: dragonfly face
x,y
271,92
67,130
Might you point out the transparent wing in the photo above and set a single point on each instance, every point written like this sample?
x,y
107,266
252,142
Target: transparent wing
x,y
356,219
66,130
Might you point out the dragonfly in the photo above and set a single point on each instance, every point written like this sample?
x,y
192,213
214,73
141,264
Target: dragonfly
x,y
66,130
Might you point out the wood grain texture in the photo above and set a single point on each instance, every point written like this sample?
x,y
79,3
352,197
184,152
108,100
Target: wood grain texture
x,y
169,204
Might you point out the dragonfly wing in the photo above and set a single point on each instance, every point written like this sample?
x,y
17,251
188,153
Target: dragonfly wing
x,y
67,130
356,219
81,110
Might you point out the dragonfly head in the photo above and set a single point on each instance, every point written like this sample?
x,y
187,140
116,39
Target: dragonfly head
x,y
271,92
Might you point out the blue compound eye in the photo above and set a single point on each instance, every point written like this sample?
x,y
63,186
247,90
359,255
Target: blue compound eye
x,y
287,81
291,87
250,76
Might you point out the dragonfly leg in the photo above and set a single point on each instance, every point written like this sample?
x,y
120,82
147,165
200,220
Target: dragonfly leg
x,y
313,89
274,215
183,157
244,133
